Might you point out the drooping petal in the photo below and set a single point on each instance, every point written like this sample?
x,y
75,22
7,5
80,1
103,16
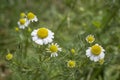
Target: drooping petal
x,y
39,42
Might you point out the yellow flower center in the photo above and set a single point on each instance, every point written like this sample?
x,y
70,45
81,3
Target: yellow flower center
x,y
22,21
30,15
101,61
53,48
71,64
17,29
42,33
9,56
22,15
90,38
73,51
96,49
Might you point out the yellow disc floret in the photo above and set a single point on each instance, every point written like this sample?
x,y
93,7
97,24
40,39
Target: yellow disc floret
x,y
16,29
71,64
53,48
101,61
22,21
22,15
72,51
42,33
96,49
30,15
90,38
9,56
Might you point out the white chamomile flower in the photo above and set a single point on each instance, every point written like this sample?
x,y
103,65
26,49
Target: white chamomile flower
x,y
42,36
53,49
32,17
71,64
90,38
22,23
95,53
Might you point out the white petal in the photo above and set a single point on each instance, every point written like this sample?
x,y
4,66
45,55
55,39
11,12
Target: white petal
x,y
39,41
49,40
96,58
88,50
34,38
101,55
51,55
59,49
92,57
56,54
22,27
18,23
32,20
88,53
27,23
36,19
50,34
45,41
103,50
34,33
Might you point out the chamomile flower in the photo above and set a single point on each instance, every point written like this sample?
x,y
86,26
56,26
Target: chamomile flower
x,y
32,17
42,36
90,38
22,23
16,29
71,64
9,56
22,15
53,49
72,51
95,53
101,61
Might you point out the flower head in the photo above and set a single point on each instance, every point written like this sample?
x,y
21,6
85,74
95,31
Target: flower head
x,y
101,61
72,51
53,49
42,36
32,17
96,52
22,15
71,64
22,23
90,38
9,56
16,29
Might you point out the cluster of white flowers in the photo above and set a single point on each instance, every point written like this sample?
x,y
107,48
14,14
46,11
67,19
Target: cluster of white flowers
x,y
25,19
43,36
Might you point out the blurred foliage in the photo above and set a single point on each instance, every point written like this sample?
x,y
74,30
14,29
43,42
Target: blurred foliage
x,y
71,21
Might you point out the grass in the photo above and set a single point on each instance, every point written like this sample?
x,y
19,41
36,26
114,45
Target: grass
x,y
71,21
